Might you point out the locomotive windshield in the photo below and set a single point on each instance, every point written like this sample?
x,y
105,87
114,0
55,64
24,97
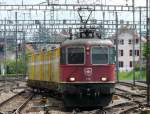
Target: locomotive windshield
x,y
75,55
99,55
111,55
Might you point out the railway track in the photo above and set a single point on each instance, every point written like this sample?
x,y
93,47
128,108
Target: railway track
x,y
10,86
15,103
132,102
18,110
122,108
140,85
135,100
42,102
129,88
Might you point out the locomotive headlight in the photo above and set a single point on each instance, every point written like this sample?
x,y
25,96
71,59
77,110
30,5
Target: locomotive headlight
x,y
72,79
103,78
88,48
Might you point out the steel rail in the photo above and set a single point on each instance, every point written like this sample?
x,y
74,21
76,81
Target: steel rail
x,y
18,110
2,103
131,85
125,107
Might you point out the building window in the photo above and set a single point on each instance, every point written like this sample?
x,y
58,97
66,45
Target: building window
x,y
130,64
137,52
137,41
130,41
121,41
130,53
120,63
120,52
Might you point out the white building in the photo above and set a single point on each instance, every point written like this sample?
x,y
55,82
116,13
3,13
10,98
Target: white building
x,y
125,48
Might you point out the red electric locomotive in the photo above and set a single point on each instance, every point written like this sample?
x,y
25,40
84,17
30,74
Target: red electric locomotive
x,y
87,72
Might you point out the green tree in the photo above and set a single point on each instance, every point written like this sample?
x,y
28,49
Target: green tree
x,y
11,66
146,50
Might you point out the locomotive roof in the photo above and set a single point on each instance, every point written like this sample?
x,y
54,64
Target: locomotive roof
x,y
99,42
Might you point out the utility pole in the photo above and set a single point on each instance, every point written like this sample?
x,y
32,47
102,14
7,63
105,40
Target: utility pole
x,y
117,66
5,53
133,41
44,29
140,57
24,48
52,19
44,19
24,52
147,50
16,45
5,50
103,34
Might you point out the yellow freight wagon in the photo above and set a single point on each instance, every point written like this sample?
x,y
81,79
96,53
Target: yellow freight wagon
x,y
43,68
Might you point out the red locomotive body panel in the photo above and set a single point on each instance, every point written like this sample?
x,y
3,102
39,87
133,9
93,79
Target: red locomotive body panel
x,y
90,73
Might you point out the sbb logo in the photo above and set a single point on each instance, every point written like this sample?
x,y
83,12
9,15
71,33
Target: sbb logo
x,y
88,71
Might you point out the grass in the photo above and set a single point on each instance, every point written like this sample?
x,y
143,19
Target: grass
x,y
129,75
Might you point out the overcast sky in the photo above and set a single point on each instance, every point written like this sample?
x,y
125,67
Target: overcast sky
x,y
69,15
118,2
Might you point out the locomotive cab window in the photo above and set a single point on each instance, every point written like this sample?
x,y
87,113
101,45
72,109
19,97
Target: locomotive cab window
x,y
75,55
63,56
112,55
99,55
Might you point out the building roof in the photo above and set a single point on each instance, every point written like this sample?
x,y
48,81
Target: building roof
x,y
99,42
129,30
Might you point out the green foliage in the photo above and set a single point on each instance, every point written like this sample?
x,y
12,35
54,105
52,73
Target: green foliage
x,y
129,75
146,50
11,66
137,67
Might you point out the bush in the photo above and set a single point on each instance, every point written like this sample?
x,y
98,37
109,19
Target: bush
x,y
137,67
129,75
11,67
